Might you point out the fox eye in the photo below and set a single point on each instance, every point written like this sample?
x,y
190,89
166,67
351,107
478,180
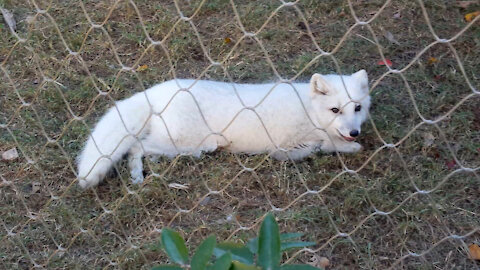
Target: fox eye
x,y
335,110
358,108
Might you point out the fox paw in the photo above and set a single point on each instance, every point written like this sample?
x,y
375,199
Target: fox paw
x,y
88,182
352,147
83,183
136,176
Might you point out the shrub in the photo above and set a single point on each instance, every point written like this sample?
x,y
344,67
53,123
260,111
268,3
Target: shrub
x,y
261,253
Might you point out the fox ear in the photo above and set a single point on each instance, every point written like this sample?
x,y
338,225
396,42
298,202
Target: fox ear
x,y
361,77
320,86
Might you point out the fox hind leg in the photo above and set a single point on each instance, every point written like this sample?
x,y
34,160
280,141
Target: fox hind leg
x,y
135,163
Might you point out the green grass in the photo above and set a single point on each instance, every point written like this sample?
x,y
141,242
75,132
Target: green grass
x,y
126,235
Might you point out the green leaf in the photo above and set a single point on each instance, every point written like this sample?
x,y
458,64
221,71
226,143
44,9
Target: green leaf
x,y
287,236
222,263
240,266
299,267
203,254
174,246
167,267
239,252
269,244
252,245
288,245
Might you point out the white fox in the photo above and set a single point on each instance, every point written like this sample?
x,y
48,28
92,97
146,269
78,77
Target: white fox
x,y
287,120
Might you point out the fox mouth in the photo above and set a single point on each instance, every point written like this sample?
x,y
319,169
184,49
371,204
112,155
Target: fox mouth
x,y
346,138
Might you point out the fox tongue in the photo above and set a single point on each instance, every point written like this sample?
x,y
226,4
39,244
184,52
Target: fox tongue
x,y
350,139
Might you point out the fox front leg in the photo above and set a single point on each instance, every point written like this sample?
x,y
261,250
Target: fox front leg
x,y
296,153
346,147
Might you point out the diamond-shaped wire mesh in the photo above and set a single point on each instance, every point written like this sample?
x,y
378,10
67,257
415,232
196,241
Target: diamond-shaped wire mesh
x,y
410,199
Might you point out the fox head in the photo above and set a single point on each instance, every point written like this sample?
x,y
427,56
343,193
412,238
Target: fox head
x,y
340,103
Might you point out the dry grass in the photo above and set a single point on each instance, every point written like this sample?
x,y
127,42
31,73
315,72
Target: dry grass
x,y
46,220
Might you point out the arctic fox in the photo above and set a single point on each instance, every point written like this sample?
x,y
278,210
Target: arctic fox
x,y
287,120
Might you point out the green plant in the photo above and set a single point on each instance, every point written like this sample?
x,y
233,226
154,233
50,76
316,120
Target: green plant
x,y
267,248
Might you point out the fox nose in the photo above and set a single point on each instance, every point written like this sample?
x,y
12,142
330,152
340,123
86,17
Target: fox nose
x,y
354,133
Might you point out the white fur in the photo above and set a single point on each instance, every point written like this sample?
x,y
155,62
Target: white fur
x,y
289,121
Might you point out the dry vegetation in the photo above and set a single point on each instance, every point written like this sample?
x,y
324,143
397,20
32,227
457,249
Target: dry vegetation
x,y
50,98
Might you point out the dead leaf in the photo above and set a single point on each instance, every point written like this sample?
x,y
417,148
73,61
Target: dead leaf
x,y
178,186
129,12
470,16
10,154
386,63
227,40
9,19
432,60
474,251
388,35
314,261
142,68
205,201
318,261
428,139
465,4
450,164
323,262
35,187
397,15
302,25
30,19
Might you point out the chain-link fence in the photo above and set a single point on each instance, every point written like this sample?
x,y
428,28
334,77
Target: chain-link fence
x,y
410,199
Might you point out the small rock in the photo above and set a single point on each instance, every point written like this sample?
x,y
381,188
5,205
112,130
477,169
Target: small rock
x,y
35,187
10,154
